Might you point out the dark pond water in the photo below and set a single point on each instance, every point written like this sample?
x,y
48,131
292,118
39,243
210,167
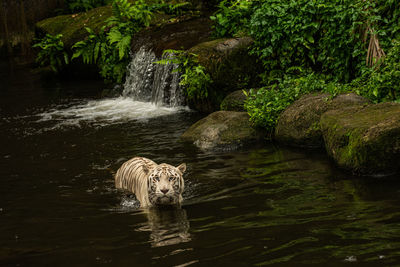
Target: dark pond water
x,y
264,205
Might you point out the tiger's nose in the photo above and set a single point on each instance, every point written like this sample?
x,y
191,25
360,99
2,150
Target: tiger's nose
x,y
165,190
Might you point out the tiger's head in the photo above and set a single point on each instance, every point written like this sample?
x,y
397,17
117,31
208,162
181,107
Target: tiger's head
x,y
165,184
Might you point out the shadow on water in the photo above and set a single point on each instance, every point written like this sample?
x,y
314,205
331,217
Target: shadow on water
x,y
264,205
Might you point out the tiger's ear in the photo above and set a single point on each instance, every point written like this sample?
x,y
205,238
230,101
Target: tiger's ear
x,y
182,168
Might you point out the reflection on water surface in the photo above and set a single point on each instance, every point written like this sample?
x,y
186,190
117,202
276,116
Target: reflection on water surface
x,y
264,205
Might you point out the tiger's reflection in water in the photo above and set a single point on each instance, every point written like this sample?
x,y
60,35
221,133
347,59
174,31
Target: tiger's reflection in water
x,y
167,226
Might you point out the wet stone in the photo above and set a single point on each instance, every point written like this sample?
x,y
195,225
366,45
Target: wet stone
x,y
222,130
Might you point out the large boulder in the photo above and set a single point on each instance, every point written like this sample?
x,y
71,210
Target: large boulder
x,y
230,67
366,139
299,124
222,130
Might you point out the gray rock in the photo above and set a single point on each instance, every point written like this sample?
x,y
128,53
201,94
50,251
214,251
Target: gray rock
x,y
234,101
230,67
299,124
222,130
365,140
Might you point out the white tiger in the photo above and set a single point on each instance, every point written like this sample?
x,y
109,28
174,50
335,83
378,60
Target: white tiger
x,y
153,184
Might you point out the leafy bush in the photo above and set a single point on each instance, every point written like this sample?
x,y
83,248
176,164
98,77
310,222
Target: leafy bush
x,y
93,47
322,35
194,77
382,83
110,48
52,52
266,104
388,24
232,17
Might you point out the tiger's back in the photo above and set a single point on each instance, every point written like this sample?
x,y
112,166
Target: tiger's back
x,y
132,176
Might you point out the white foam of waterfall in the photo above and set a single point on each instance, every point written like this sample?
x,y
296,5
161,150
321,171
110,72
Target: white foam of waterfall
x,y
149,81
105,112
150,90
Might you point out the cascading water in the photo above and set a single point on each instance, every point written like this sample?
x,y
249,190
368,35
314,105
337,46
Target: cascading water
x,y
150,90
151,82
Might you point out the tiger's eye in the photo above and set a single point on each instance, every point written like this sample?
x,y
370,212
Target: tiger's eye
x,y
171,178
157,178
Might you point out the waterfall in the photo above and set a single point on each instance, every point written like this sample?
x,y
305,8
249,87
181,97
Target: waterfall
x,y
151,90
150,82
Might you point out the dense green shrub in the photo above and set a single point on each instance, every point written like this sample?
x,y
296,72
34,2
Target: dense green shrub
x,y
194,78
388,25
381,83
266,104
232,17
110,48
324,35
51,52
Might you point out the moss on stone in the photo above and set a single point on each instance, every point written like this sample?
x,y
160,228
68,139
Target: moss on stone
x,y
72,26
299,124
229,64
365,140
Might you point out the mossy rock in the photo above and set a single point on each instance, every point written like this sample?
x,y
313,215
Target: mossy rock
x,y
299,124
229,65
72,26
228,62
222,130
234,101
365,140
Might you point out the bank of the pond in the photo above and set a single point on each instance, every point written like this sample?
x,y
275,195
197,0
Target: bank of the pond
x,y
361,137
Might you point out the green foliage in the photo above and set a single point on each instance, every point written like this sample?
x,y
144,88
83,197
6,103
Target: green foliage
x,y
91,48
266,104
388,25
382,83
194,77
84,5
322,35
326,36
130,16
231,17
110,48
52,52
